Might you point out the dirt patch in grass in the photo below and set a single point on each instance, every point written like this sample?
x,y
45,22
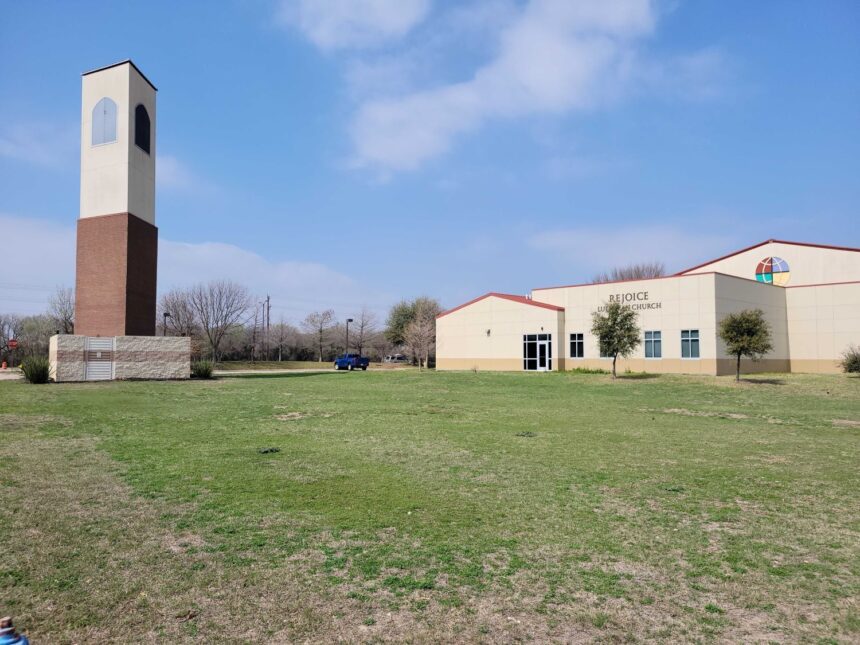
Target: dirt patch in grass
x,y
291,416
846,423
737,416
183,542
697,413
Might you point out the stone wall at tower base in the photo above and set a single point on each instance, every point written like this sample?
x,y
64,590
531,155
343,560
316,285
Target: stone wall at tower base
x,y
73,358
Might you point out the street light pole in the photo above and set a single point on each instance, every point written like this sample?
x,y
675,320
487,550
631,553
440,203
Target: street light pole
x,y
165,316
348,320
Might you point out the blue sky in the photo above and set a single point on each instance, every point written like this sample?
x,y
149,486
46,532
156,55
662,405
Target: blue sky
x,y
352,152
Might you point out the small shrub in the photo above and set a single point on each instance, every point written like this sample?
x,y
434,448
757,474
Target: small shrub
x,y
587,370
851,360
201,369
36,369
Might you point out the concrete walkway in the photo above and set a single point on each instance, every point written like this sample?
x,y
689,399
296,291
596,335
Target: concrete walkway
x,y
11,374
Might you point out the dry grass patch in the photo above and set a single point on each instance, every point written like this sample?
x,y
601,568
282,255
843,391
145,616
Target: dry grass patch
x,y
291,416
846,423
18,422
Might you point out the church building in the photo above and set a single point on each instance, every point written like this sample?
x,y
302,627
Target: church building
x,y
809,293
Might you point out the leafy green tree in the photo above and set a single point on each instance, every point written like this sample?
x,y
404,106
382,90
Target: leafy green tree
x,y
404,313
746,333
399,318
616,330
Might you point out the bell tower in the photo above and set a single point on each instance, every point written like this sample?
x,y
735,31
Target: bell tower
x,y
117,244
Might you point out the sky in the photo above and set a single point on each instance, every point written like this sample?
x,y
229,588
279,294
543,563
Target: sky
x,y
348,153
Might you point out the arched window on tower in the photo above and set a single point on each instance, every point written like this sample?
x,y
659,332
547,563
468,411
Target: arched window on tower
x,y
141,128
104,122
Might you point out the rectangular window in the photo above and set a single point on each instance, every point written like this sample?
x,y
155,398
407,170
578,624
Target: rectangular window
x,y
653,344
689,343
530,351
577,346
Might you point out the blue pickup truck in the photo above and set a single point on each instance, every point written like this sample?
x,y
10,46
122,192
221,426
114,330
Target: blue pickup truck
x,y
351,362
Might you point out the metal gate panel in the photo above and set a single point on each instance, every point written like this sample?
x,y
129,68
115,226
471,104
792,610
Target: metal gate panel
x,y
99,358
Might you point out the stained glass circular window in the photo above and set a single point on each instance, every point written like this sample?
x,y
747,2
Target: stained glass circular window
x,y
773,271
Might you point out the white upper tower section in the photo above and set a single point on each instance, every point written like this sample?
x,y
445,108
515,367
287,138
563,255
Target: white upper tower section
x,y
118,142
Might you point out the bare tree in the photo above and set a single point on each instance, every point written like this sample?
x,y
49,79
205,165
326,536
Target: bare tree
x,y
283,335
33,334
361,330
10,327
420,334
366,326
61,307
380,345
637,271
183,317
219,305
318,325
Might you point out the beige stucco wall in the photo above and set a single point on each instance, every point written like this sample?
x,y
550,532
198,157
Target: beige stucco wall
x,y
462,342
736,294
822,322
667,305
117,177
808,264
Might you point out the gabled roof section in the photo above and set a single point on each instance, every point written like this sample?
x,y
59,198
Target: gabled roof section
x,y
755,246
504,296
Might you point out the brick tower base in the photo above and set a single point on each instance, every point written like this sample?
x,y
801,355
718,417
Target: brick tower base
x,y
117,262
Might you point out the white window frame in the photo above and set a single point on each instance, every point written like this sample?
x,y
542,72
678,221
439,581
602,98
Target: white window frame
x,y
690,340
547,339
106,100
652,340
581,341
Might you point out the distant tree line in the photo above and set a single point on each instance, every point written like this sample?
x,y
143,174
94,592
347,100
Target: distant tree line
x,y
226,322
33,332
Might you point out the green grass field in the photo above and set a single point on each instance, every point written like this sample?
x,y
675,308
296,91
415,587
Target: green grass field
x,y
433,506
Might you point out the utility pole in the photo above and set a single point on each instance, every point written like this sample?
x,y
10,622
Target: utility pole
x,y
268,322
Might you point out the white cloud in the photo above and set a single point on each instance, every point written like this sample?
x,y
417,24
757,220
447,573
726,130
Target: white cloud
x,y
296,287
339,24
40,143
698,75
595,249
555,57
173,174
27,281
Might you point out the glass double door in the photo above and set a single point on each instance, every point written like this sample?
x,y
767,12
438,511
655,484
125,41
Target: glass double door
x,y
537,352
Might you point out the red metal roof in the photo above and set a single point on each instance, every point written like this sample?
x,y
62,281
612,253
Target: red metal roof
x,y
504,296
